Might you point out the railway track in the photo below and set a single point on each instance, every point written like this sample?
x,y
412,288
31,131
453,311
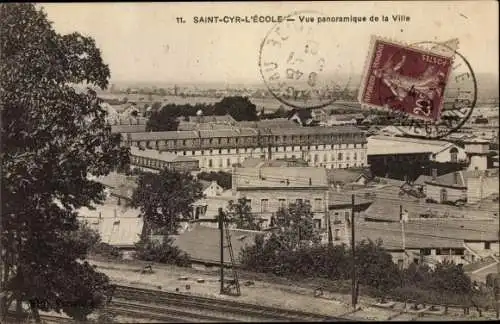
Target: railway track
x,y
197,308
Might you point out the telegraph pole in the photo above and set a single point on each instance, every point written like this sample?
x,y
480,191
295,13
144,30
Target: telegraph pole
x,y
221,228
353,248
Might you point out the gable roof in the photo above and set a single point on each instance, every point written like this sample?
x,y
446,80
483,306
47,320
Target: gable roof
x,y
345,176
202,243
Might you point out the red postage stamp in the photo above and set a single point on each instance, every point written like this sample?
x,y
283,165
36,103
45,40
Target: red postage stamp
x,y
405,79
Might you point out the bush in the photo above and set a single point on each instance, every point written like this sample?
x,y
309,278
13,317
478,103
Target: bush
x,y
106,250
162,252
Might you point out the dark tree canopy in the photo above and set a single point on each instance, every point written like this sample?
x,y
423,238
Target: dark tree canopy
x,y
52,137
223,179
164,199
240,213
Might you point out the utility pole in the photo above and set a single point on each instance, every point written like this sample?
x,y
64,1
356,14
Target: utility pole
x,y
353,249
221,228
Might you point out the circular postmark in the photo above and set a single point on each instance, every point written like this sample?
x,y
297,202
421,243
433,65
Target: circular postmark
x,y
453,106
299,66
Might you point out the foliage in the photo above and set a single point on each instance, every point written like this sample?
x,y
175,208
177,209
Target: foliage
x,y
448,277
53,135
165,198
106,250
375,267
166,118
223,179
162,252
295,226
240,213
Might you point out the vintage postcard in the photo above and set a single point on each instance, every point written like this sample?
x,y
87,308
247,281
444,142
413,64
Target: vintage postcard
x,y
249,161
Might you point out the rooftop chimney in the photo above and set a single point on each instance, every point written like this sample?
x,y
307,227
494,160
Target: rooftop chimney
x,y
434,174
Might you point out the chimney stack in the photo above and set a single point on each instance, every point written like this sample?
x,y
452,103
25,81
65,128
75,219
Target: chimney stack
x,y
434,174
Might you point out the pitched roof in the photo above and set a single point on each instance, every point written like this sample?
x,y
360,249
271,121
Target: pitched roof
x,y
422,179
317,130
344,176
257,162
460,178
269,123
202,243
128,128
212,119
276,177
388,210
159,155
391,236
383,145
154,136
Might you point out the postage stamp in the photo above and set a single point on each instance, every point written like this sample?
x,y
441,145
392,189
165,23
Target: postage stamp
x,y
460,97
299,67
405,79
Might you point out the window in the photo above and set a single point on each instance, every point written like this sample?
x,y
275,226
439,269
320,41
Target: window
x,y
355,156
210,163
220,163
183,152
444,195
228,161
454,155
339,157
487,245
347,215
298,201
337,234
325,158
282,203
249,202
316,158
347,156
318,204
317,223
264,205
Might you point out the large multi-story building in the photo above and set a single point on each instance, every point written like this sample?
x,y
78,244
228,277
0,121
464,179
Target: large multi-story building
x,y
220,149
267,189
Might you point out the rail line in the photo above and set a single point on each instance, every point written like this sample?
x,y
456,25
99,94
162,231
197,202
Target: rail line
x,y
220,310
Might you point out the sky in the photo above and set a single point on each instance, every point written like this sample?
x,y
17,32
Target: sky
x,y
144,41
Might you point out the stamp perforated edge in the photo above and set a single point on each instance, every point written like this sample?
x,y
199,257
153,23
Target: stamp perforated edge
x,y
415,46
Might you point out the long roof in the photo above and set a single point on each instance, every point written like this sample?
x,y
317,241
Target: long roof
x,y
389,145
159,155
202,243
391,236
276,177
383,209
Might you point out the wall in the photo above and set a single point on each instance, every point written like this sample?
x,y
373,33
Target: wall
x,y
222,159
481,187
479,248
445,156
478,163
434,192
290,196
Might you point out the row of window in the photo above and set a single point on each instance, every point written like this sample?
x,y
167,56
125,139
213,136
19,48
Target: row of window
x,y
284,203
340,156
158,164
172,144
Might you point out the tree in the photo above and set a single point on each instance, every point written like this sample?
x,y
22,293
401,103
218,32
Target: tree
x,y
449,278
53,135
240,213
223,179
161,121
295,226
164,199
375,268
240,108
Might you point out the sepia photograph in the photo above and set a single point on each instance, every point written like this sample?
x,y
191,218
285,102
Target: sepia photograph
x,y
212,162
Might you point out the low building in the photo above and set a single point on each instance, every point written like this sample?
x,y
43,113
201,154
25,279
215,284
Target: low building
x,y
392,148
467,186
433,241
268,189
155,161
202,243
